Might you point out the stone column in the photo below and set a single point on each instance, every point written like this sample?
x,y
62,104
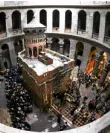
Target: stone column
x,y
86,51
49,41
62,21
24,17
74,21
37,15
49,20
23,44
72,48
1,59
89,24
8,23
104,74
13,56
27,49
102,26
61,43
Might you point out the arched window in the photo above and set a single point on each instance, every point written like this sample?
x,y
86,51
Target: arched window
x,y
6,53
66,47
4,47
40,49
68,19
30,15
107,25
18,46
79,53
43,17
16,20
82,20
35,52
6,65
55,44
56,19
2,22
96,22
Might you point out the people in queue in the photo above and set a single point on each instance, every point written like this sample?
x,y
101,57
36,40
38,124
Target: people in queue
x,y
19,102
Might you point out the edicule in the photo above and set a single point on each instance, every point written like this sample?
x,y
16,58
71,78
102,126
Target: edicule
x,y
45,72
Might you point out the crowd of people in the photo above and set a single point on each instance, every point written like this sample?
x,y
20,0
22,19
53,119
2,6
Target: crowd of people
x,y
89,109
19,102
99,105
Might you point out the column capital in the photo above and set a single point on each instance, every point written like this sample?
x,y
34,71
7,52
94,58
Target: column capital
x,y
61,41
49,40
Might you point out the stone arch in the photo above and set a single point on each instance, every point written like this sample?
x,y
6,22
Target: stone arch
x,y
35,52
4,47
96,22
43,17
18,45
6,65
79,53
82,20
30,16
5,53
55,44
40,49
107,24
2,22
56,19
66,48
68,19
16,20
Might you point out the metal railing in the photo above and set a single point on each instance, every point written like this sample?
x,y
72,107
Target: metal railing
x,y
68,30
95,35
107,39
80,32
55,29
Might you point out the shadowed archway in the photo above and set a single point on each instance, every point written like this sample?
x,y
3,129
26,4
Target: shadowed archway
x,y
16,20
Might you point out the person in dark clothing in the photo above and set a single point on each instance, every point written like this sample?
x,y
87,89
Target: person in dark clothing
x,y
59,119
72,111
64,127
91,105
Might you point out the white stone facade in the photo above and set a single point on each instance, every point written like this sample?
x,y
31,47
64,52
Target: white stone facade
x,y
73,31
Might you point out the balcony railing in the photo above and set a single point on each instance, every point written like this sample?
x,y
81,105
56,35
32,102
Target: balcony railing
x,y
55,29
107,39
68,30
81,32
95,36
2,34
15,31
